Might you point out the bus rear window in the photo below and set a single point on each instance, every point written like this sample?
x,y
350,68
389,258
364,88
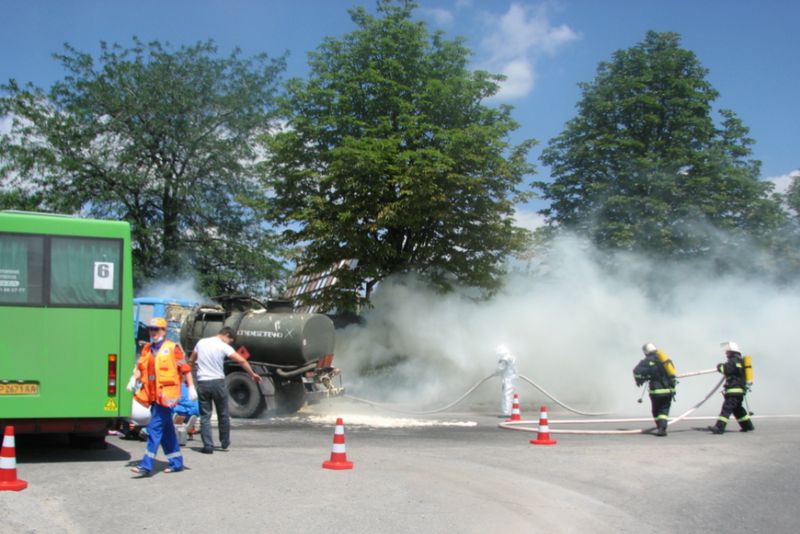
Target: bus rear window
x,y
85,271
21,261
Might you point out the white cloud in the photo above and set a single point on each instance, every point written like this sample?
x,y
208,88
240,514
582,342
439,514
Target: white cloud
x,y
520,79
782,183
528,219
516,40
440,16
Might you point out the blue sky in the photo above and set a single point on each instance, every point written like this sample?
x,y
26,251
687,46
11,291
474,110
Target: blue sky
x,y
545,47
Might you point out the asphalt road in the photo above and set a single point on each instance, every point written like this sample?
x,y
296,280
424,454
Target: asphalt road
x,y
455,472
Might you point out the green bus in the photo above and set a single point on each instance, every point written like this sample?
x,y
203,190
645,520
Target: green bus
x,y
66,310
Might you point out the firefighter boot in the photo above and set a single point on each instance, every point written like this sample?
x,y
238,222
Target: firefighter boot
x,y
746,426
717,429
661,429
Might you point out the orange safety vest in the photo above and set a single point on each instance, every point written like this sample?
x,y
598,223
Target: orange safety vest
x,y
164,385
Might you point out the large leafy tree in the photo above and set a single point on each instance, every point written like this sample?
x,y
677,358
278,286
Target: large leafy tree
x,y
645,167
392,158
793,195
162,138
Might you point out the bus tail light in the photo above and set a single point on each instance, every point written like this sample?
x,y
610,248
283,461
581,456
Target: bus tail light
x,y
112,375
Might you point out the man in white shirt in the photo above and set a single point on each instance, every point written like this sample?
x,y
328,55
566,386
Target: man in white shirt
x,y
208,358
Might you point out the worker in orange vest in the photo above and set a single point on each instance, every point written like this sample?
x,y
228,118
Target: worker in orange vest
x,y
160,370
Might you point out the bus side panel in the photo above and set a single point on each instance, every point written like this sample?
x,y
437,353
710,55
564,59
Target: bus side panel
x,y
54,357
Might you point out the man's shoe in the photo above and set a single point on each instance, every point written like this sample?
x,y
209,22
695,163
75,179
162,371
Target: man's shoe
x,y
661,432
716,430
143,473
207,450
225,446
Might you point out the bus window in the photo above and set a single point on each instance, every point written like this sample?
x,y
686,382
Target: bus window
x,y
21,261
85,272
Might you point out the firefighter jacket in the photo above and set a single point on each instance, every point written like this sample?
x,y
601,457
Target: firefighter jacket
x,y
651,369
161,374
733,369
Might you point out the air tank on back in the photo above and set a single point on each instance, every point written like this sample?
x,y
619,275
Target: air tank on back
x,y
273,336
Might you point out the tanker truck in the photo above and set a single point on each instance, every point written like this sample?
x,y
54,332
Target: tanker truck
x,y
293,353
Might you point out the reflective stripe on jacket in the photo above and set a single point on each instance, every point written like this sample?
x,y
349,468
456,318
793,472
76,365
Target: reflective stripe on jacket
x,y
651,369
164,384
733,370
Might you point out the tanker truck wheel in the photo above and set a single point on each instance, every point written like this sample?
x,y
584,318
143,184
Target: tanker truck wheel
x,y
244,396
289,397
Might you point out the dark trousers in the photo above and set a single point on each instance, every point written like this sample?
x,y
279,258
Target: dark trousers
x,y
733,405
209,391
660,407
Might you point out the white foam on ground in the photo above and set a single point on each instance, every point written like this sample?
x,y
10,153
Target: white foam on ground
x,y
376,421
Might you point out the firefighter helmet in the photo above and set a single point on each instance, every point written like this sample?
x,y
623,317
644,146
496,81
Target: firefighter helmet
x,y
648,348
730,346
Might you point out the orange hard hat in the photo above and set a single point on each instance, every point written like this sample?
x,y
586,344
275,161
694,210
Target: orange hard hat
x,y
158,322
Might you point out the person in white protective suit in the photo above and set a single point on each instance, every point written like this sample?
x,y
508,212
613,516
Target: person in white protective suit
x,y
507,371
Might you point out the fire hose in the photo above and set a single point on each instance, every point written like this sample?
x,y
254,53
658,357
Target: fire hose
x,y
426,412
519,425
392,408
465,395
573,410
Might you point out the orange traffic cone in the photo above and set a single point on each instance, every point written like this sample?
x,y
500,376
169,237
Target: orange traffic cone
x,y
338,455
515,414
543,438
8,464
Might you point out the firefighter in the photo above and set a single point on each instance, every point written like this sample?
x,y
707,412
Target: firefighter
x,y
658,370
161,368
507,371
734,390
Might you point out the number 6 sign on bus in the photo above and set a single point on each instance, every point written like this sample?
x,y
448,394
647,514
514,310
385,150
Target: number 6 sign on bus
x,y
103,275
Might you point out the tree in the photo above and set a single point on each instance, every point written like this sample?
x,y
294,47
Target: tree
x,y
392,159
162,138
644,167
793,194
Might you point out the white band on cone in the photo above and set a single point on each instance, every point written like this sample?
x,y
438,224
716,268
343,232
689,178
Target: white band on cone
x,y
338,447
7,463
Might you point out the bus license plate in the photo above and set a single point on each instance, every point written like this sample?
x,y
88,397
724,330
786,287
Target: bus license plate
x,y
19,389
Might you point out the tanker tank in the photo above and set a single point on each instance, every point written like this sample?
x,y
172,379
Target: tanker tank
x,y
276,339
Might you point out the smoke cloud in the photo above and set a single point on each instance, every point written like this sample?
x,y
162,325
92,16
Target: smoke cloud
x,y
577,329
176,289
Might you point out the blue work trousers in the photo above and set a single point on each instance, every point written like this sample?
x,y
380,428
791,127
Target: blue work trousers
x,y
161,431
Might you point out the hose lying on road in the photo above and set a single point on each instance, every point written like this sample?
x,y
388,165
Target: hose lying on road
x,y
573,410
426,412
518,425
392,408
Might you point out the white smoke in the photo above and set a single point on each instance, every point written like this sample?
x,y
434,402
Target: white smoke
x,y
577,331
183,289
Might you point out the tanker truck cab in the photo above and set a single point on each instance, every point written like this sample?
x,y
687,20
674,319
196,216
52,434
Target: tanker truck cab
x,y
293,353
